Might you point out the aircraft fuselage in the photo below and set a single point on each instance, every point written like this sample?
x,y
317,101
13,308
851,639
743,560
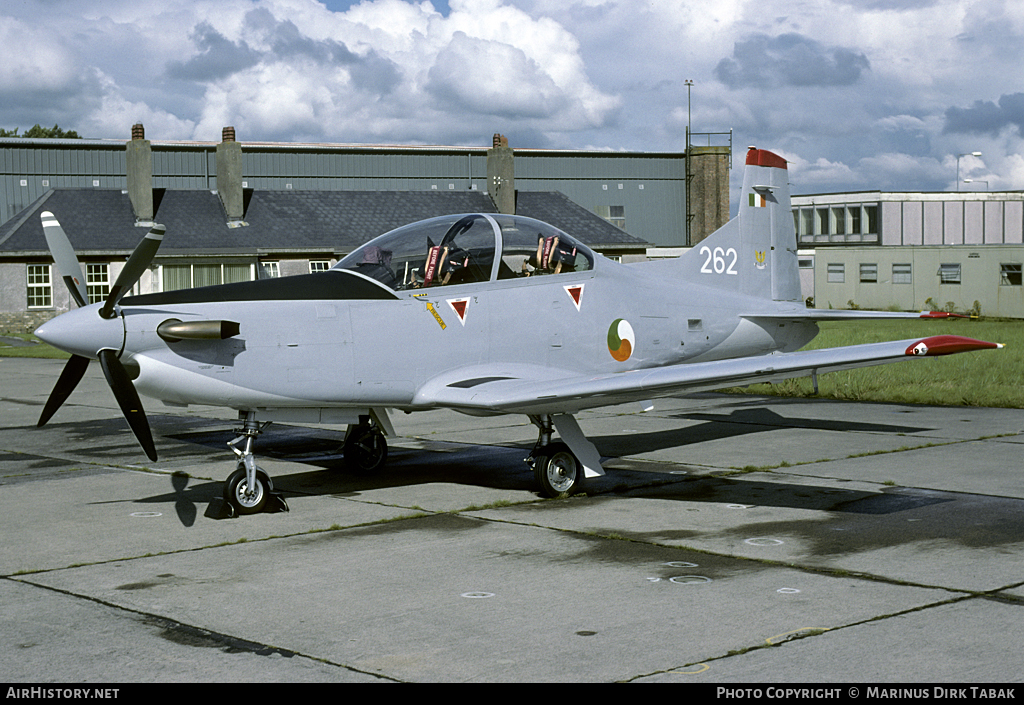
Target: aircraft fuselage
x,y
324,349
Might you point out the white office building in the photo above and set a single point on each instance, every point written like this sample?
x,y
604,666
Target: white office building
x,y
959,251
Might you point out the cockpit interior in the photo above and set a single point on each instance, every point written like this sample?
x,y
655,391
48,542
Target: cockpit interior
x,y
461,249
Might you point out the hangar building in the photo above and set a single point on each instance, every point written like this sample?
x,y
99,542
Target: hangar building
x,y
246,210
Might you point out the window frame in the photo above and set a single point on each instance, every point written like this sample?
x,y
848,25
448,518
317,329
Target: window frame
x,y
1010,274
903,276
44,288
950,273
97,281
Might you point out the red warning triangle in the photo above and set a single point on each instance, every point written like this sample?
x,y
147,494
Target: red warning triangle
x,y
460,306
575,292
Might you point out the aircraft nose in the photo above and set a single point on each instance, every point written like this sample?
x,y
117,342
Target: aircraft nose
x,y
83,332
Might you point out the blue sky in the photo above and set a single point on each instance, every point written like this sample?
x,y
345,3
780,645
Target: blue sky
x,y
857,94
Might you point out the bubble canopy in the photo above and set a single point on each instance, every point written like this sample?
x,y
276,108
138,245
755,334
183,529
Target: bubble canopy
x,y
462,249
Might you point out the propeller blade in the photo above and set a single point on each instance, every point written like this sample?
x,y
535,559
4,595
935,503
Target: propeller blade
x,y
133,269
65,258
128,399
66,383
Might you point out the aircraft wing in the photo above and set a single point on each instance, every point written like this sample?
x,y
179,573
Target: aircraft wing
x,y
533,389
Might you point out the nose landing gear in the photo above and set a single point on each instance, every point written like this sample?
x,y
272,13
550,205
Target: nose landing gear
x,y
249,490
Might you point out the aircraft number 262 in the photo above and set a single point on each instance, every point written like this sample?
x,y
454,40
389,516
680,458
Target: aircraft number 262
x,y
717,259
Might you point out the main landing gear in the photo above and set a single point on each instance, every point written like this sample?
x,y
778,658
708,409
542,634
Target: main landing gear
x,y
249,490
555,468
365,448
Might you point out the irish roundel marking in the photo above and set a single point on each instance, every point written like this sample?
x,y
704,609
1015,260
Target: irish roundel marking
x,y
621,339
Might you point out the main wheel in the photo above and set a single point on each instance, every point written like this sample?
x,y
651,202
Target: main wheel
x,y
245,500
366,449
557,470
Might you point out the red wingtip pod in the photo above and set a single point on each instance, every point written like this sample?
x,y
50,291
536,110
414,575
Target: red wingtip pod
x,y
762,157
942,314
948,344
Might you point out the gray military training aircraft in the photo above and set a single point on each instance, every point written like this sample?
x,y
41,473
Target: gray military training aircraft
x,y
482,313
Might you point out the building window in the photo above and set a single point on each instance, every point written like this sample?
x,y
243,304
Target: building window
x,y
807,223
839,220
270,270
321,265
871,214
206,275
869,273
616,215
177,276
855,219
949,273
191,276
854,222
1009,274
805,261
836,273
97,282
902,274
40,290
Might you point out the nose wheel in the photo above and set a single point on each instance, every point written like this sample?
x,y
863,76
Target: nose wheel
x,y
245,497
249,490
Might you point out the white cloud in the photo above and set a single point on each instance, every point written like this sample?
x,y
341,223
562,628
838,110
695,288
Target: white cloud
x,y
115,114
860,93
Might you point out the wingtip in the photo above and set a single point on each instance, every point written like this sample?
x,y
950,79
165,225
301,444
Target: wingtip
x,y
948,345
942,314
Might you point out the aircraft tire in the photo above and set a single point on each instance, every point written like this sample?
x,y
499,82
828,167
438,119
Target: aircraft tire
x,y
365,450
236,496
557,471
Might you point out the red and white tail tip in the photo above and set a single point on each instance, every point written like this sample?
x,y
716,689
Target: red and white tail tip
x,y
947,345
762,157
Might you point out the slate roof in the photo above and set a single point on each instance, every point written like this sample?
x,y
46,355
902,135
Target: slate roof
x,y
101,221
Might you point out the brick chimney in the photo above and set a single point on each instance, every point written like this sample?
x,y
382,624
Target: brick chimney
x,y
139,164
501,175
229,176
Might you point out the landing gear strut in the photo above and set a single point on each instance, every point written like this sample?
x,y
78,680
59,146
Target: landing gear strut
x,y
249,490
555,468
365,448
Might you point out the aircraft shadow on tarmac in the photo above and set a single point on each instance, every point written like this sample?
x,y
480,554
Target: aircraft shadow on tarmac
x,y
740,422
838,521
501,467
854,520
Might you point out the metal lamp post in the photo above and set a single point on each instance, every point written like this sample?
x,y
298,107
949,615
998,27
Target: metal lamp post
x,y
965,154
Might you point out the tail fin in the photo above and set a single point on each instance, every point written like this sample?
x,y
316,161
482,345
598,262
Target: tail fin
x,y
755,252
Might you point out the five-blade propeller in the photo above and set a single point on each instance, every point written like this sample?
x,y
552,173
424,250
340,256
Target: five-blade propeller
x,y
117,377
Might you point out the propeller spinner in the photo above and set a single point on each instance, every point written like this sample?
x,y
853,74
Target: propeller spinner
x,y
94,332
